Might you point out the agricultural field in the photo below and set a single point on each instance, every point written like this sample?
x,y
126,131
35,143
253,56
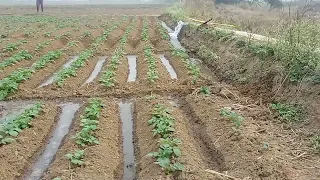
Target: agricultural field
x,y
114,97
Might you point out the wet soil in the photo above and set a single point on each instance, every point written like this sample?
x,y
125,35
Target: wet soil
x,y
265,148
20,155
146,143
102,161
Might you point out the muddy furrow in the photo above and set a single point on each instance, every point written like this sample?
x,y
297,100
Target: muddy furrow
x,y
102,161
146,143
40,76
20,155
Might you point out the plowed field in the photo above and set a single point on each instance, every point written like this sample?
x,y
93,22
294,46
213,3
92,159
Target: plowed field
x,y
100,80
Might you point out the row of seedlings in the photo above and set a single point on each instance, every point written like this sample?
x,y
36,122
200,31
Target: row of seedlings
x,y
108,77
167,156
86,136
20,56
84,56
10,84
12,129
192,67
148,53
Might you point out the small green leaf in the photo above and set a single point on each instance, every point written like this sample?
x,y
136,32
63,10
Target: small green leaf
x,y
177,151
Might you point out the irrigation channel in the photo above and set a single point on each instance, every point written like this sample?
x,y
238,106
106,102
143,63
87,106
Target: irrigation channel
x,y
118,154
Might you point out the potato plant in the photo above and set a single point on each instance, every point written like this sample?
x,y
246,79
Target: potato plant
x,y
89,122
152,64
76,158
22,55
65,73
10,84
195,70
107,78
234,117
168,153
14,127
42,45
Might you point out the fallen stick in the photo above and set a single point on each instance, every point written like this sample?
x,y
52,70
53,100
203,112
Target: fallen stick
x,y
215,172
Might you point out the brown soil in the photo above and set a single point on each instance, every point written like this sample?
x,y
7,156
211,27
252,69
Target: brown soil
x,y
263,150
146,143
103,161
19,155
77,81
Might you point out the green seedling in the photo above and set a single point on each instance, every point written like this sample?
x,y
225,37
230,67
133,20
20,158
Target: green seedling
x,y
14,127
316,143
287,112
89,124
76,158
47,34
42,45
232,116
167,154
205,90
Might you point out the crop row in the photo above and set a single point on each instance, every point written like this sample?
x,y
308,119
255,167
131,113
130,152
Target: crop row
x,y
13,46
148,53
15,126
84,57
167,156
86,136
193,68
9,84
22,55
107,79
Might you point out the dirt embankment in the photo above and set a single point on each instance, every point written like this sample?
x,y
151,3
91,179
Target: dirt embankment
x,y
262,79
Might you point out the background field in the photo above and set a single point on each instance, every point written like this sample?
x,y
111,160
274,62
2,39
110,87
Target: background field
x,y
227,99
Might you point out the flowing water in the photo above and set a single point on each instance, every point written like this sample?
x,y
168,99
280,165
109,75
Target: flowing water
x,y
62,129
168,66
132,60
96,70
174,34
11,110
54,76
127,134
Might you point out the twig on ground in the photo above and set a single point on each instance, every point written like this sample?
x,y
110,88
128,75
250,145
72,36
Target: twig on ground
x,y
221,174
